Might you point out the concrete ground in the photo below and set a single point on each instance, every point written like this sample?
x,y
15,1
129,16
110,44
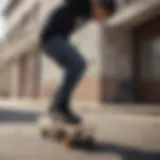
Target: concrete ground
x,y
120,136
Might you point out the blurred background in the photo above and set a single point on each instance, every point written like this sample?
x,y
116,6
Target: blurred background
x,y
121,86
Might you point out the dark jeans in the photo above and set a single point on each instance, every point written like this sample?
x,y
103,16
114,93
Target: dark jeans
x,y
73,64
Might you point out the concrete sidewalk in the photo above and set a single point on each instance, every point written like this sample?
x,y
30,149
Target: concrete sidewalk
x,y
118,136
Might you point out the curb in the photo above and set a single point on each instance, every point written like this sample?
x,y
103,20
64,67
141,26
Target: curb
x,y
41,105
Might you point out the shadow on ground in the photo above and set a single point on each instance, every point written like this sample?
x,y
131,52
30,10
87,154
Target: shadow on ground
x,y
20,116
126,153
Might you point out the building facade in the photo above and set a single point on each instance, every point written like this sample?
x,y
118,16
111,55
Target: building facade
x,y
122,53
20,54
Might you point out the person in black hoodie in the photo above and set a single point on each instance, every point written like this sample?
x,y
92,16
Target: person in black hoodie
x,y
55,42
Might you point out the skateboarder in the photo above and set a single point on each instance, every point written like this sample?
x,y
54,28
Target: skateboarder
x,y
56,44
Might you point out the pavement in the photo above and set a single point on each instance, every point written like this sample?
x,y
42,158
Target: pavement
x,y
120,136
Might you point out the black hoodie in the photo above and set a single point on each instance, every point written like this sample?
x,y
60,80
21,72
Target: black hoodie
x,y
62,21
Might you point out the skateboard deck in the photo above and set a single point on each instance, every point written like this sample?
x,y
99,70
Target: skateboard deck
x,y
66,134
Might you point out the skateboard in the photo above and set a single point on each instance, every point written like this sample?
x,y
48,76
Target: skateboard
x,y
69,135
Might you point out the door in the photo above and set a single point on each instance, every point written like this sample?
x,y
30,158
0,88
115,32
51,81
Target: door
x,y
148,63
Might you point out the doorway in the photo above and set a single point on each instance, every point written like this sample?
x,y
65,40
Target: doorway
x,y
147,62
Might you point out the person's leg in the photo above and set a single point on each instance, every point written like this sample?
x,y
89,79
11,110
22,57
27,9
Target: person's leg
x,y
74,65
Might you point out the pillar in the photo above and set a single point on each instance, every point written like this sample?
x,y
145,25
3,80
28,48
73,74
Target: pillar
x,y
31,76
15,79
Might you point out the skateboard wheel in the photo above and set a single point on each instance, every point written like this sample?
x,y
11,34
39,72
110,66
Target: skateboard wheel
x,y
59,134
66,140
90,141
44,133
63,138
